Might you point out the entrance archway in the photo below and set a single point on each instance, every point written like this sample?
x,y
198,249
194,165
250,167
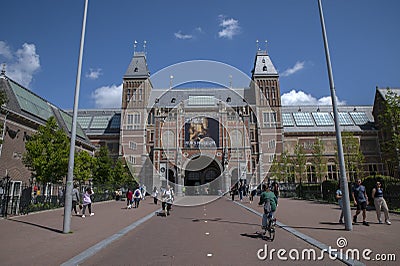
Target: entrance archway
x,y
201,176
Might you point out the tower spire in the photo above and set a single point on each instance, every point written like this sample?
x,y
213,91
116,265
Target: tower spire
x,y
3,69
134,46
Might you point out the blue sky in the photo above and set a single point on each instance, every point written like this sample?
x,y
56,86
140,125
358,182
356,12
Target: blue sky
x,y
39,42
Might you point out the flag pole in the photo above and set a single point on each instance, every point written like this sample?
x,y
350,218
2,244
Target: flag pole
x,y
343,180
70,176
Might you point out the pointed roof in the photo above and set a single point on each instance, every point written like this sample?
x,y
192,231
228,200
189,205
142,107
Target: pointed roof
x,y
263,65
138,67
31,107
384,91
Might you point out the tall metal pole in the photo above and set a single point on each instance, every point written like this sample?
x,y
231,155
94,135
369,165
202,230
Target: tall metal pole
x,y
70,176
343,179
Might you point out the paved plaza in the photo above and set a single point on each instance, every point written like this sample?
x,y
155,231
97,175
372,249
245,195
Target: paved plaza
x,y
200,231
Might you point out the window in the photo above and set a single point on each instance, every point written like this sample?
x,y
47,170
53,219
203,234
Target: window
x,y
311,177
133,121
132,159
373,169
269,119
332,172
273,92
132,145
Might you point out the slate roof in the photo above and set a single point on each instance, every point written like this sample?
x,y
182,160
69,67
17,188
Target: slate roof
x,y
263,65
138,67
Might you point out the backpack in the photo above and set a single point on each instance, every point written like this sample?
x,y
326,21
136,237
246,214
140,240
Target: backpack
x,y
137,193
267,206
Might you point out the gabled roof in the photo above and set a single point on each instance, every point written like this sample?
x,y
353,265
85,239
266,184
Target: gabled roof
x,y
26,104
138,67
384,91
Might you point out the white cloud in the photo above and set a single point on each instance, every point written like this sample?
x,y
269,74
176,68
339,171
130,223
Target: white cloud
x,y
300,98
230,27
5,50
22,64
94,74
181,36
297,67
108,96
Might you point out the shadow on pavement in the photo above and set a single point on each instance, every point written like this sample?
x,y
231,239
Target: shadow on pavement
x,y
219,220
40,226
256,235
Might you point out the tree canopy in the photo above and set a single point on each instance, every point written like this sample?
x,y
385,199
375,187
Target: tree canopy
x,y
47,153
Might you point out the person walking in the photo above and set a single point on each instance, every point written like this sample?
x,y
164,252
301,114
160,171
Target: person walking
x,y
339,196
360,199
276,190
87,202
155,195
75,199
241,189
168,199
380,203
129,197
137,196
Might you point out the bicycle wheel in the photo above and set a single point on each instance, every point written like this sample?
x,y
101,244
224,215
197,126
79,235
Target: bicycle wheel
x,y
271,230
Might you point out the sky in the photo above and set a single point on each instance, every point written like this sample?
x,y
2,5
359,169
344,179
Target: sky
x,y
39,43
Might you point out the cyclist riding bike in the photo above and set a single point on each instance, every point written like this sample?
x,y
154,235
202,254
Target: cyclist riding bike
x,y
269,200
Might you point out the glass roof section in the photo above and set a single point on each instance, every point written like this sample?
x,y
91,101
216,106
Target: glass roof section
x,y
323,119
287,120
303,119
84,121
201,100
344,119
360,118
116,121
31,103
100,122
68,121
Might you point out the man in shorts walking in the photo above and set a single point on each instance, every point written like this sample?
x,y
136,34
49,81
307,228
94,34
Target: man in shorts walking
x,y
360,200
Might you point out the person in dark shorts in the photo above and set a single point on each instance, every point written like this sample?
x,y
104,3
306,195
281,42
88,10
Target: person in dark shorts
x,y
360,200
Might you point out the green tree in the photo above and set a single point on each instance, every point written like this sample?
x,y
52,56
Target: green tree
x,y
102,171
83,166
47,153
319,160
389,122
299,160
122,176
353,157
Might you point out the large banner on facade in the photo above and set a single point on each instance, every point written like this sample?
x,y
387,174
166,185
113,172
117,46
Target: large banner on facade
x,y
201,132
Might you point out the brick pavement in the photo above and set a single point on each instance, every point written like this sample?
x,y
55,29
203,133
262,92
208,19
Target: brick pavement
x,y
37,239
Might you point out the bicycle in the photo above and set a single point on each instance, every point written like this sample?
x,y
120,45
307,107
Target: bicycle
x,y
270,229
